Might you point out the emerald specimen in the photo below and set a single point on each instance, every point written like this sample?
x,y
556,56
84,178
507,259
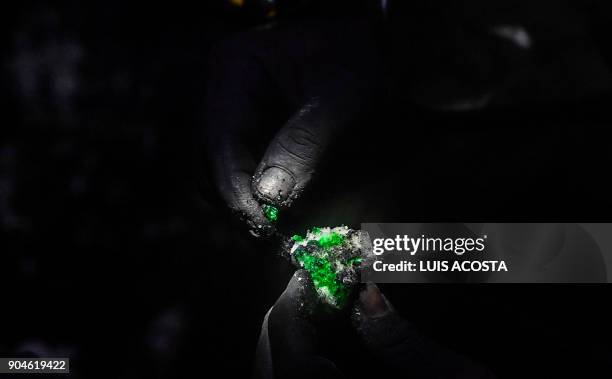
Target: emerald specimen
x,y
270,211
330,239
331,256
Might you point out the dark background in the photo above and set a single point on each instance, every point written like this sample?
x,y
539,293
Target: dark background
x,y
110,254
115,250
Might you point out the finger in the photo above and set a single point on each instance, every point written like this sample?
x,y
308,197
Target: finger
x,y
337,80
377,322
398,344
232,169
237,82
293,335
291,317
293,155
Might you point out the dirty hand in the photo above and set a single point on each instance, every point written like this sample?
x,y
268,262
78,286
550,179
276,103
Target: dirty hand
x,y
290,342
320,72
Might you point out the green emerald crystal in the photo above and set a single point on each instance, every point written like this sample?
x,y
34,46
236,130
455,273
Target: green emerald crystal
x,y
270,211
328,240
324,277
331,257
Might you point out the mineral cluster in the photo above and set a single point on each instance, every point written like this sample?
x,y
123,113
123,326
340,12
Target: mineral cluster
x,y
332,256
270,211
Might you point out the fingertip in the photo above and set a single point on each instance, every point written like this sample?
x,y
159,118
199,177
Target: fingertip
x,y
300,281
274,185
376,321
250,212
260,227
372,303
302,276
299,300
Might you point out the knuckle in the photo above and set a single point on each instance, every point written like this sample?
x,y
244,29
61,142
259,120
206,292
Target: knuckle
x,y
300,142
302,136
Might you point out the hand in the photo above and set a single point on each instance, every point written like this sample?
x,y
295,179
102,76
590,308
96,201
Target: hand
x,y
291,341
320,73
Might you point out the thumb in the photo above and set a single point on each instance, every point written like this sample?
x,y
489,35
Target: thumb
x,y
379,326
398,344
293,335
293,154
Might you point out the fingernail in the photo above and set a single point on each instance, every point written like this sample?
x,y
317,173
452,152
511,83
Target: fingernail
x,y
275,184
372,303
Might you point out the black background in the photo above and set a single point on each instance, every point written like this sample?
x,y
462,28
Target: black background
x,y
116,251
